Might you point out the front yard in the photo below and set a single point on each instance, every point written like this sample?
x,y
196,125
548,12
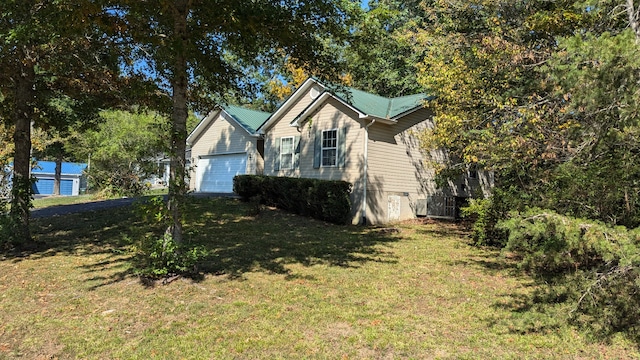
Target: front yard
x,y
277,286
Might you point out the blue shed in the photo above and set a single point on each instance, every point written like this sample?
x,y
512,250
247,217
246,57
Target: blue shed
x,y
70,180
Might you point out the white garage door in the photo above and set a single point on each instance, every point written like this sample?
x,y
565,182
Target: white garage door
x,y
215,173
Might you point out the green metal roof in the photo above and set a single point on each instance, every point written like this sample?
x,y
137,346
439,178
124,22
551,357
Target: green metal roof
x,y
251,120
380,106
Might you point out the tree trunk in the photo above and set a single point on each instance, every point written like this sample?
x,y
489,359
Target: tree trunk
x,y
58,175
21,183
634,18
177,173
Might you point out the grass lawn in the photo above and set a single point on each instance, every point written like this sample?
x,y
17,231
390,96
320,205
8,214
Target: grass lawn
x,y
278,286
62,200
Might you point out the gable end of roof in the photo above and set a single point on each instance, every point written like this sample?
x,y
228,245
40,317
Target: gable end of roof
x,y
249,120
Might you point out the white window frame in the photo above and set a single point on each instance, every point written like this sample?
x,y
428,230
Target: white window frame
x,y
328,148
290,153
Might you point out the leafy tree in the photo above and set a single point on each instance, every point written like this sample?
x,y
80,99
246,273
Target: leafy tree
x,y
546,94
196,51
123,149
48,50
382,55
598,74
542,93
54,131
491,103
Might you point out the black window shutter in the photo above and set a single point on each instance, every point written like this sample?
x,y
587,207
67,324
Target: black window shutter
x,y
296,152
342,140
317,155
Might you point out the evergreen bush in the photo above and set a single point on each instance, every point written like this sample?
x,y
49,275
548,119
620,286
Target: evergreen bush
x,y
593,265
321,199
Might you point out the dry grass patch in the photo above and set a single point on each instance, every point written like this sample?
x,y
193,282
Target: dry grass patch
x,y
276,286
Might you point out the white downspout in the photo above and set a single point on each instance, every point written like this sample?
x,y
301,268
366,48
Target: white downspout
x,y
364,177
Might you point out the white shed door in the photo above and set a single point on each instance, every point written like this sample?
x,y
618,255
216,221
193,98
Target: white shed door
x,y
215,174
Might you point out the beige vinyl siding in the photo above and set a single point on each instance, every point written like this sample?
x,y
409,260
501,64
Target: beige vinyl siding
x,y
398,175
282,129
223,136
334,115
331,115
397,167
396,162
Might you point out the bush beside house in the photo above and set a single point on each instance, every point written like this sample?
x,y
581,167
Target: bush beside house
x,y
321,199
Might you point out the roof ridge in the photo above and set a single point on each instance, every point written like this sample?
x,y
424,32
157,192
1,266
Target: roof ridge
x,y
367,92
242,107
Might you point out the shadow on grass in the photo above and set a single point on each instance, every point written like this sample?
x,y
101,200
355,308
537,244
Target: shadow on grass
x,y
235,243
543,305
273,239
92,232
445,229
532,307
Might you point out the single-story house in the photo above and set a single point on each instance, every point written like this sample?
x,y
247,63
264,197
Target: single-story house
x,y
71,180
345,134
223,145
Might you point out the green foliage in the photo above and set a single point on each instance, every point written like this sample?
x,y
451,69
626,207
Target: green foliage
x,y
5,183
158,257
7,232
123,151
597,74
153,210
164,257
588,263
388,67
59,67
545,95
552,244
19,213
325,200
201,52
6,224
12,218
485,214
121,182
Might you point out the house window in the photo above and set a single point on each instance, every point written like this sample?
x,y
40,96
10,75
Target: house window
x,y
329,147
286,153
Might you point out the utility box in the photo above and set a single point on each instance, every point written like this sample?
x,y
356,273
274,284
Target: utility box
x,y
437,206
421,207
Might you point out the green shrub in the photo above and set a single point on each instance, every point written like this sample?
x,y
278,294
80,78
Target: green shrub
x,y
320,199
594,266
165,257
485,214
12,230
552,244
117,182
7,231
161,256
248,186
